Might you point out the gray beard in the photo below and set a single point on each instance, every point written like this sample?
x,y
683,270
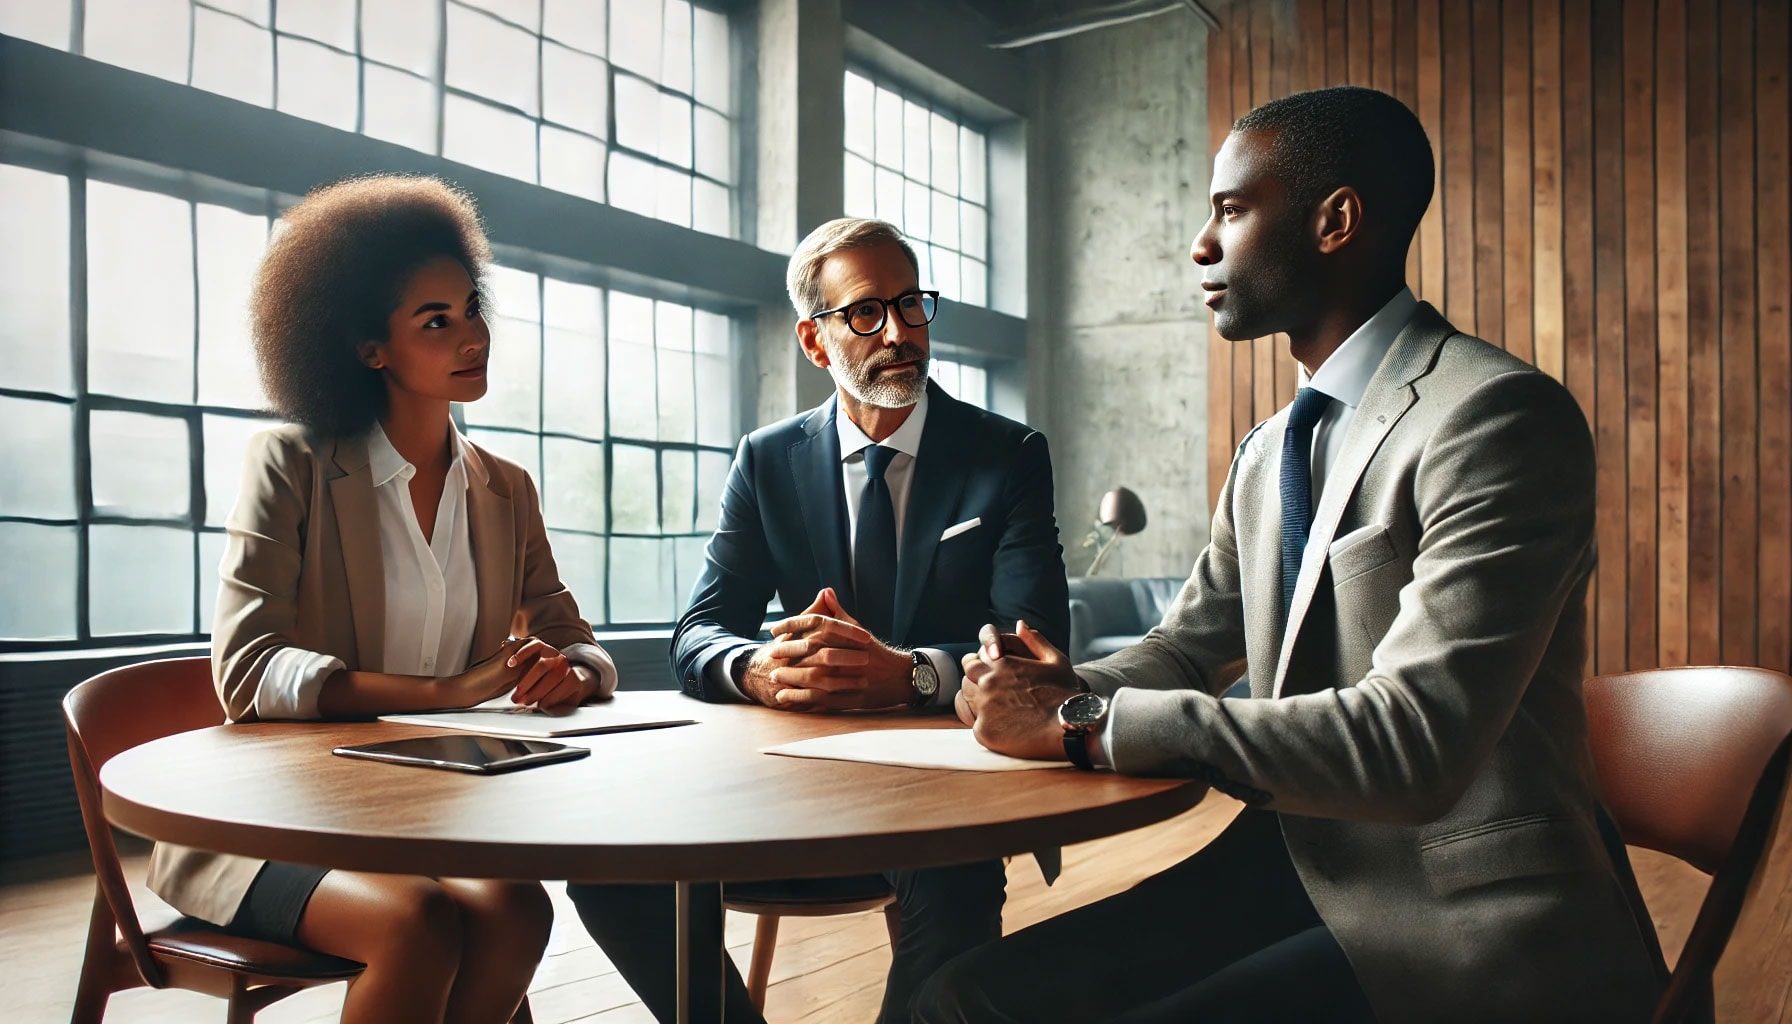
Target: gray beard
x,y
862,384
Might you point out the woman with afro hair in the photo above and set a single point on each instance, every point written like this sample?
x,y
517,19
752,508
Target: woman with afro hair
x,y
379,562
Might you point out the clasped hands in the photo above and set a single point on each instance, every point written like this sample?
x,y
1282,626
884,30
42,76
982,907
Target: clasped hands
x,y
821,659
533,672
1013,687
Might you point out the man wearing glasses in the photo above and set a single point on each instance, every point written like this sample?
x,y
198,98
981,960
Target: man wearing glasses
x,y
904,520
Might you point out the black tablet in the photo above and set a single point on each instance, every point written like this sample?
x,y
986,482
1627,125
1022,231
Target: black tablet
x,y
481,755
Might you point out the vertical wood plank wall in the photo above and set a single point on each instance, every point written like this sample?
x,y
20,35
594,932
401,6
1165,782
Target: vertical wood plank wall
x,y
1613,205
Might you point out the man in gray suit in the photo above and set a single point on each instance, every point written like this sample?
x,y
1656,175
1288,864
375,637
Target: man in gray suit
x,y
1402,558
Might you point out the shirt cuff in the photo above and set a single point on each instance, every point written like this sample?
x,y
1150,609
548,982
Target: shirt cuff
x,y
291,683
720,672
951,675
597,660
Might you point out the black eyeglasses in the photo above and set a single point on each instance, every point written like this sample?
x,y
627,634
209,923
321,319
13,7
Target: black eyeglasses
x,y
865,317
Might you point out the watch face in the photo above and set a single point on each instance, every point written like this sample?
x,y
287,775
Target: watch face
x,y
925,680
1084,710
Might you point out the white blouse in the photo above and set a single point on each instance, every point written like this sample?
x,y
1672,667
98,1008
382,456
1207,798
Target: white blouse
x,y
431,598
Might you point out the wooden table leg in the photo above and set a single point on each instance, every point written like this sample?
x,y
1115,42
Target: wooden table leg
x,y
700,979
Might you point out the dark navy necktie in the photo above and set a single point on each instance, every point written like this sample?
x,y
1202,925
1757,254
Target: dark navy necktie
x,y
874,547
1297,485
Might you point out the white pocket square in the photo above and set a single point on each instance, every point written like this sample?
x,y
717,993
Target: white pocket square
x,y
965,527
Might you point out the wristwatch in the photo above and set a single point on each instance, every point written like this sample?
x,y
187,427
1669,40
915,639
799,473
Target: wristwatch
x,y
1080,716
923,681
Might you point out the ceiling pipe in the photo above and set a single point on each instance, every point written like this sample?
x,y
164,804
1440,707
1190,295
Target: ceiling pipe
x,y
1101,16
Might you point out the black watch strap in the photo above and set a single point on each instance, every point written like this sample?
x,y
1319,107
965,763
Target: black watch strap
x,y
1076,747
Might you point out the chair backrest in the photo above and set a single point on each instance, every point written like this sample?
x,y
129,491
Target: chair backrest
x,y
1694,762
1680,752
109,714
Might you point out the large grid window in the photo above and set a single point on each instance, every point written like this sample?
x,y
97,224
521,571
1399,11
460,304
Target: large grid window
x,y
629,103
927,171
128,393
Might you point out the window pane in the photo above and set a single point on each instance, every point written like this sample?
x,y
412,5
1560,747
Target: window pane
x,y
714,77
715,145
632,184
211,557
916,207
687,553
860,97
572,163
580,558
327,21
638,115
37,459
678,491
975,283
943,144
860,201
230,247
973,165
641,581
675,130
975,235
888,126
635,496
50,557
144,35
254,10
945,273
513,391
889,196
573,381
526,13
317,83
975,387
672,337
401,33
522,449
945,372
233,58
400,108
491,59
712,478
673,197
636,28
46,22
484,136
139,580
577,23
915,161
572,484
141,464
226,438
675,67
575,89
715,380
139,294
944,221
712,208
34,342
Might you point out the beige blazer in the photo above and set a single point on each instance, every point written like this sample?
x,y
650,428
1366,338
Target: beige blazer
x,y
302,569
1426,748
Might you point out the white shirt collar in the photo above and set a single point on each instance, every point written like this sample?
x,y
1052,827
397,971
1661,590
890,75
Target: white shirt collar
x,y
906,439
1346,373
386,464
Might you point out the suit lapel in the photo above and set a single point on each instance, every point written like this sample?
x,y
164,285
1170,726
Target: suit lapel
x,y
933,491
1390,394
491,530
358,528
821,494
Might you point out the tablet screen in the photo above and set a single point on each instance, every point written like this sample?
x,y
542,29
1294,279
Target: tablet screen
x,y
484,755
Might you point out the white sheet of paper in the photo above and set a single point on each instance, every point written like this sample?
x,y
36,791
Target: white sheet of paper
x,y
952,749
500,717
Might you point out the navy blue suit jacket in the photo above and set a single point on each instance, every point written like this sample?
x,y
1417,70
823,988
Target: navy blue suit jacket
x,y
783,530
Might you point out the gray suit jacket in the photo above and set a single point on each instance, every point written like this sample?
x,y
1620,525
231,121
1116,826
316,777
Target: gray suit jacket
x,y
1426,745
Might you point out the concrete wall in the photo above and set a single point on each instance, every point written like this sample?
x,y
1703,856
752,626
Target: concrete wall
x,y
1118,322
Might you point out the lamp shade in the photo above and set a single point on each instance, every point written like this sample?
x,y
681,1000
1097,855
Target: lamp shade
x,y
1122,510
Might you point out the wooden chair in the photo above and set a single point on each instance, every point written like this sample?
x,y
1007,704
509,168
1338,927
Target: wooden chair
x,y
1693,763
855,896
106,715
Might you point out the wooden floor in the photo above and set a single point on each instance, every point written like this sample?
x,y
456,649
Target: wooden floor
x,y
827,969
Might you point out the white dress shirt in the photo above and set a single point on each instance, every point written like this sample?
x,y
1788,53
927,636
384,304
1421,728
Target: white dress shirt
x,y
1345,376
431,596
853,441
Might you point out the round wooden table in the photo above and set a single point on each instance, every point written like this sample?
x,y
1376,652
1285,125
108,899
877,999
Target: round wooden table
x,y
691,804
